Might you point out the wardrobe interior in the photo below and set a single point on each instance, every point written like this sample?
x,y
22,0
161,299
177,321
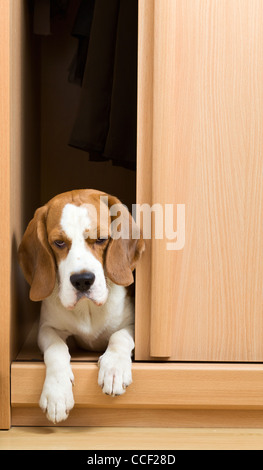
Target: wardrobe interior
x,y
44,107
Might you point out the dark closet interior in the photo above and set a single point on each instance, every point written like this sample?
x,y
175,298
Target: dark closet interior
x,y
46,101
63,166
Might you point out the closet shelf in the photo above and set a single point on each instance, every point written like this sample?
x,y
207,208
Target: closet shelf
x,y
30,351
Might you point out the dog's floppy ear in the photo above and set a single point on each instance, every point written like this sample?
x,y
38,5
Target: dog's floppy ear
x,y
123,252
36,257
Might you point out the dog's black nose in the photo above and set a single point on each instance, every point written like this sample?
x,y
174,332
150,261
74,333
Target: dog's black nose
x,y
83,281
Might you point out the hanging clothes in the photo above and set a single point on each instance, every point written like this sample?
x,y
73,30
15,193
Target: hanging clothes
x,y
105,125
81,30
45,11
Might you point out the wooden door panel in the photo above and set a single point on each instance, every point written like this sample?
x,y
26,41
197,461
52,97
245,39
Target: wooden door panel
x,y
5,248
205,142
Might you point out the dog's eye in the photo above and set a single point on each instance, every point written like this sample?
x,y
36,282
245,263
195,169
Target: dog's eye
x,y
60,243
99,241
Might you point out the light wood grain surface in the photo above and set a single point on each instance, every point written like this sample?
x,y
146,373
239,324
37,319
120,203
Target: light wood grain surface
x,y
207,140
130,438
227,386
5,246
144,170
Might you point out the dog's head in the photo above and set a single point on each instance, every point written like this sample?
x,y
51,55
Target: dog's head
x,y
78,240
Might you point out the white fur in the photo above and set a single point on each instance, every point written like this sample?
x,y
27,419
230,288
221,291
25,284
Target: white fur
x,y
110,325
75,222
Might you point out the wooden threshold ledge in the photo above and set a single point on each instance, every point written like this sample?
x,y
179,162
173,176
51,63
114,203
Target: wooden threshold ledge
x,y
155,385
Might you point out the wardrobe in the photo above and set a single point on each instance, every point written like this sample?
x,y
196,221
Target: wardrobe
x,y
198,309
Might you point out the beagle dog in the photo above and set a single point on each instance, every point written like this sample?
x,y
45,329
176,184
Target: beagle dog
x,y
79,268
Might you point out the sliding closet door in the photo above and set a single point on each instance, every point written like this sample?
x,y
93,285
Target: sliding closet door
x,y
200,140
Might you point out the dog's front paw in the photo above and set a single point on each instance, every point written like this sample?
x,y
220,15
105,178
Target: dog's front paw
x,y
114,373
57,398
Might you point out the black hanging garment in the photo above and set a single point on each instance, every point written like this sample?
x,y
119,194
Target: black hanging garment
x,y
81,31
45,11
105,125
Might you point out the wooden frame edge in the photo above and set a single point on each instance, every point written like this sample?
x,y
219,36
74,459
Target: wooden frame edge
x,y
155,386
33,416
5,247
144,171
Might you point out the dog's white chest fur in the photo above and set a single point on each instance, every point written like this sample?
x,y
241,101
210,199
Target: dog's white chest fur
x,y
92,325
